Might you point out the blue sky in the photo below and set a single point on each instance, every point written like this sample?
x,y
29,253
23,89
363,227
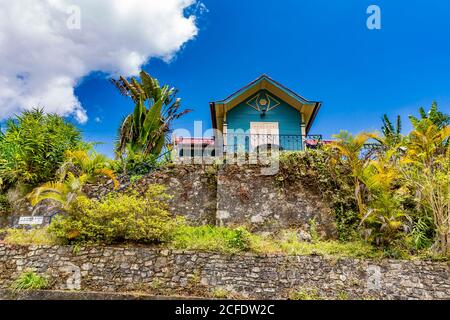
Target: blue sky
x,y
321,49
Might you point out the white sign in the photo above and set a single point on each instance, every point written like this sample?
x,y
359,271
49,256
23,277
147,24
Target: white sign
x,y
31,220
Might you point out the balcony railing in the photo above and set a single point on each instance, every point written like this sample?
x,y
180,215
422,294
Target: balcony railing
x,y
237,142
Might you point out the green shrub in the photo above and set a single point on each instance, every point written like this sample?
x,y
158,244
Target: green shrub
x,y
135,178
136,164
211,238
25,237
33,145
5,205
422,234
117,218
29,280
347,221
240,239
5,209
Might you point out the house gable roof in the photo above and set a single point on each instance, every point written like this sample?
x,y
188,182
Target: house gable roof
x,y
264,82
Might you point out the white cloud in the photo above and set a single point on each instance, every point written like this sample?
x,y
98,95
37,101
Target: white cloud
x,y
42,59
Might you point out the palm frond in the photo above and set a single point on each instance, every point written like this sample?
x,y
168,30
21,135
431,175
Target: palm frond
x,y
108,173
52,190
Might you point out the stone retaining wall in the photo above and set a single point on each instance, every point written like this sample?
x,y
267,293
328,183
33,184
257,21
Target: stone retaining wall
x,y
228,195
245,196
192,190
149,270
232,195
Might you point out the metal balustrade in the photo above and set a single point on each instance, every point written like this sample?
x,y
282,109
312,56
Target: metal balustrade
x,y
242,143
237,142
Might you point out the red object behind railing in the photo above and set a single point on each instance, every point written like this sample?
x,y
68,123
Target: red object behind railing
x,y
202,141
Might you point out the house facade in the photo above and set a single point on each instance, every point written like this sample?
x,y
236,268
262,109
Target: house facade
x,y
264,114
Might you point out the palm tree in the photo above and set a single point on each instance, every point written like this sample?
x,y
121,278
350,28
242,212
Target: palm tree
x,y
79,168
91,164
426,168
145,130
63,192
427,140
384,208
349,149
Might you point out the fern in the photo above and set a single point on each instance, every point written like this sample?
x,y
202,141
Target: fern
x,y
422,234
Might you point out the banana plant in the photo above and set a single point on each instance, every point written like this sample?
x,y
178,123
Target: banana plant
x,y
392,134
436,117
146,129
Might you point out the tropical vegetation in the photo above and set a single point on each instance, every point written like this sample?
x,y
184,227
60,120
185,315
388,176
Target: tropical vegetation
x,y
79,168
117,218
403,188
146,131
45,154
32,147
390,191
29,280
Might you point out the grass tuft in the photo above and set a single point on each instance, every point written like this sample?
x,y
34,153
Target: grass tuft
x,y
25,237
220,293
305,294
210,238
29,280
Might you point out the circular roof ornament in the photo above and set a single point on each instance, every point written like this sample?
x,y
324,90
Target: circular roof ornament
x,y
263,102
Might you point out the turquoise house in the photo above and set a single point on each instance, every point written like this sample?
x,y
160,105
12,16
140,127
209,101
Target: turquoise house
x,y
264,114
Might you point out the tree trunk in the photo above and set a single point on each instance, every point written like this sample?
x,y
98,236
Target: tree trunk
x,y
443,243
